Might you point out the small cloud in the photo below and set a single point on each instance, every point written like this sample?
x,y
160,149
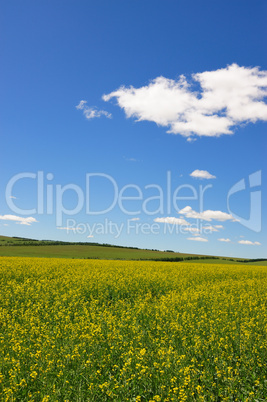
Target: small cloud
x,y
208,215
134,219
218,226
172,221
23,223
90,236
225,240
12,196
92,112
197,239
202,174
249,243
18,219
191,139
209,228
81,105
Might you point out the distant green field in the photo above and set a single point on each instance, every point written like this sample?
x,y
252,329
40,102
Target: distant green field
x,y
20,247
45,249
261,263
76,251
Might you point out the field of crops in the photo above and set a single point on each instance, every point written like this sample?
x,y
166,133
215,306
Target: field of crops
x,y
91,330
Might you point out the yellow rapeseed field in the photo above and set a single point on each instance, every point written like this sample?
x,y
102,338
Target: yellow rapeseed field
x,y
92,330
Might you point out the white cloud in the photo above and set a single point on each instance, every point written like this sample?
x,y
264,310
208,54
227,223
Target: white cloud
x,y
197,238
209,228
18,219
225,240
206,229
187,227
134,219
172,221
90,236
202,174
249,243
92,112
226,98
12,196
81,105
206,215
23,223
191,139
218,226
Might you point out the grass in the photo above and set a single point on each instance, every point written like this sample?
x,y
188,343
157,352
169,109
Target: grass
x,y
80,251
91,330
21,247
261,263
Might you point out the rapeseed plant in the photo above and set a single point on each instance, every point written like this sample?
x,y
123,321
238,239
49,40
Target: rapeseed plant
x,y
79,330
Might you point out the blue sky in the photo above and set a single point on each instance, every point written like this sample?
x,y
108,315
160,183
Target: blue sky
x,y
167,98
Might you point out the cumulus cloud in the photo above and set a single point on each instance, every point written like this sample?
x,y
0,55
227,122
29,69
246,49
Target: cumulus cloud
x,y
207,215
249,243
202,174
92,112
134,219
197,238
18,219
225,240
171,220
209,104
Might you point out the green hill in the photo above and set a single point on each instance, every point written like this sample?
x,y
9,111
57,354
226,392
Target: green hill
x,y
23,247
